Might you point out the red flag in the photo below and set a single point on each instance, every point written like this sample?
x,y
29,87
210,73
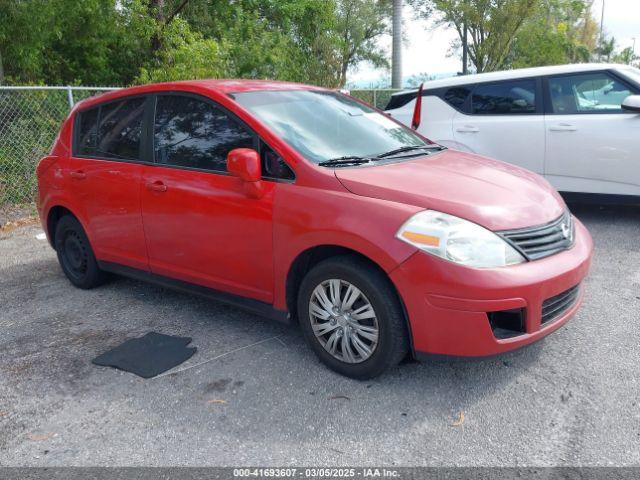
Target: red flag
x,y
417,111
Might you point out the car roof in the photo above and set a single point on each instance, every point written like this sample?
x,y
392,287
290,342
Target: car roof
x,y
517,73
241,85
223,86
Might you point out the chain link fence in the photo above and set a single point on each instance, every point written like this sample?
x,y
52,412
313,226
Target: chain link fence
x,y
30,118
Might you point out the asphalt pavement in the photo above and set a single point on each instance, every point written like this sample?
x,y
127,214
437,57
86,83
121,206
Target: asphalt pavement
x,y
254,394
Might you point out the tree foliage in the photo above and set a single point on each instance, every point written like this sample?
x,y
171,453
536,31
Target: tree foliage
x,y
560,31
119,42
46,41
628,57
491,26
359,23
521,33
183,54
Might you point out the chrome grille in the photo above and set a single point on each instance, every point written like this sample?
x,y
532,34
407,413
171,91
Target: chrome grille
x,y
555,306
543,240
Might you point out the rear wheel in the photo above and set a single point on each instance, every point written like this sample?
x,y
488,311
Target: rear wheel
x,y
352,318
75,254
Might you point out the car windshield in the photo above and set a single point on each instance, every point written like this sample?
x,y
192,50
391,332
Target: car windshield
x,y
632,72
323,125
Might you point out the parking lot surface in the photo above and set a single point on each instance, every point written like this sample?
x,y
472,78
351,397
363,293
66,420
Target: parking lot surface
x,y
254,394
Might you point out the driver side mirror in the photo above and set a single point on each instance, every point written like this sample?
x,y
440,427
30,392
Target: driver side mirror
x,y
244,163
632,103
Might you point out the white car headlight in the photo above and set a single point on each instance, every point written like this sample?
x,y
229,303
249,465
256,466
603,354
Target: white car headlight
x,y
457,240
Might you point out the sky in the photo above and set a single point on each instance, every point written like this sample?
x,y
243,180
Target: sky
x,y
426,49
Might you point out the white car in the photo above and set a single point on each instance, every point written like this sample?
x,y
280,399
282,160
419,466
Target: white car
x,y
578,125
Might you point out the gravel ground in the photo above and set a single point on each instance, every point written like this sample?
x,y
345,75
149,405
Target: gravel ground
x,y
15,213
254,393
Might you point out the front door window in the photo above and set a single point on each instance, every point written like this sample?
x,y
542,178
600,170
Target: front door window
x,y
596,92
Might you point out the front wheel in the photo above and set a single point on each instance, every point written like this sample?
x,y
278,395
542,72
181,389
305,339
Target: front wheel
x,y
352,318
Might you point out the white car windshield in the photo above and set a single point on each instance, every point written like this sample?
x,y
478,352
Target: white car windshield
x,y
632,72
324,126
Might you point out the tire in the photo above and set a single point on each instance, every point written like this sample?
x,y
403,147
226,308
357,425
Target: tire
x,y
76,255
353,321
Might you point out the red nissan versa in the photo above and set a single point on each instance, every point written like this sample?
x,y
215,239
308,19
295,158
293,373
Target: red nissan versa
x,y
299,202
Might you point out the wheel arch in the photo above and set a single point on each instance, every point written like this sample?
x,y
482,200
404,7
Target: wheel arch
x,y
54,215
310,257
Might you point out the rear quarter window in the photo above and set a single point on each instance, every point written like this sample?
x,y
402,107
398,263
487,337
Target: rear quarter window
x,y
457,97
111,131
87,136
400,100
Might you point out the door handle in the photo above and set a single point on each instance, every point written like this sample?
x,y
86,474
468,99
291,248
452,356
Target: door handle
x,y
156,186
78,174
468,129
563,127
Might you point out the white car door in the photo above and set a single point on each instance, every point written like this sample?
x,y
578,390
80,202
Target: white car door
x,y
592,144
504,120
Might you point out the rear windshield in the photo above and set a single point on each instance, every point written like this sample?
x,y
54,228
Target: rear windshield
x,y
324,125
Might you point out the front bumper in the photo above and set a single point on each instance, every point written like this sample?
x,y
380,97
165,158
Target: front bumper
x,y
447,303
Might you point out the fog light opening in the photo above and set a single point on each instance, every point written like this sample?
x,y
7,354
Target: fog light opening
x,y
507,323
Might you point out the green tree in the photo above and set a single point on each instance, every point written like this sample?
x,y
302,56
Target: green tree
x,y
183,54
262,38
123,41
606,48
359,23
45,41
285,40
560,31
303,40
626,56
492,26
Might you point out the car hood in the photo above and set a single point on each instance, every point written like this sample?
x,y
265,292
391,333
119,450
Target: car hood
x,y
493,194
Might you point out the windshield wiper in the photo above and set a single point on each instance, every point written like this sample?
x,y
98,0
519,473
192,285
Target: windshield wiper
x,y
357,160
347,160
409,149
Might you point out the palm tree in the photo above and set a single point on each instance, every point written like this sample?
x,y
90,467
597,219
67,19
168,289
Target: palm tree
x,y
396,54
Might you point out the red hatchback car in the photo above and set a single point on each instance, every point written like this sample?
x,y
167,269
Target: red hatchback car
x,y
302,203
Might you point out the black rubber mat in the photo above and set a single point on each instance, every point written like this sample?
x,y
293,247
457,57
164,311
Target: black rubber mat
x,y
148,356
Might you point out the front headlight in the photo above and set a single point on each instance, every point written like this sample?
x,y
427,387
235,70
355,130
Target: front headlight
x,y
457,240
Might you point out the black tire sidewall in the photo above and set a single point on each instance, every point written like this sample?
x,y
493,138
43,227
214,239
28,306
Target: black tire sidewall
x,y
378,290
93,275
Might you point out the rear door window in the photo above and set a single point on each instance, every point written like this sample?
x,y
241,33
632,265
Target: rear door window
x,y
505,98
189,132
120,129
